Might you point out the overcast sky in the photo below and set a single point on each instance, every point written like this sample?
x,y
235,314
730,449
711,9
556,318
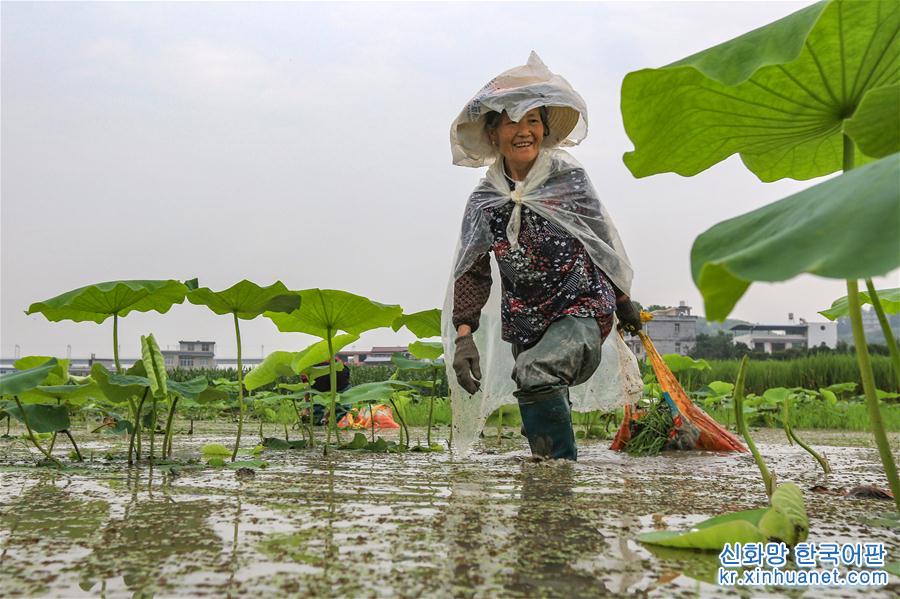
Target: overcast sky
x,y
309,143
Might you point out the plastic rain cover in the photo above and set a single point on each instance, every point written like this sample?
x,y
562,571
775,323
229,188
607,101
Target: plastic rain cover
x,y
556,188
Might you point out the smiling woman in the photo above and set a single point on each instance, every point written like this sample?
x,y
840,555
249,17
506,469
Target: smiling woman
x,y
563,270
518,142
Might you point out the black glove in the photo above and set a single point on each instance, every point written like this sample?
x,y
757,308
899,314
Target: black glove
x,y
629,316
465,364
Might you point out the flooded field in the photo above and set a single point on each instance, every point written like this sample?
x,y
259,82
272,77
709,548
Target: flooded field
x,y
492,524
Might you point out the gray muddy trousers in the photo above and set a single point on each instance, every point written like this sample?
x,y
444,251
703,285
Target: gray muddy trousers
x,y
566,355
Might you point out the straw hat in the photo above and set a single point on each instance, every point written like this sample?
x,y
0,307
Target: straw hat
x,y
517,91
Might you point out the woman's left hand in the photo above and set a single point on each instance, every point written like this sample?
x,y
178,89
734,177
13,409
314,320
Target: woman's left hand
x,y
629,316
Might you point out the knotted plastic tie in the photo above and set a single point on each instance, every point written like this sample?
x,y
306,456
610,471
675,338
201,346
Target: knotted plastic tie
x,y
515,219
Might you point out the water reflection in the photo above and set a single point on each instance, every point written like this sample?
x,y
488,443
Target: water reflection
x,y
556,544
155,535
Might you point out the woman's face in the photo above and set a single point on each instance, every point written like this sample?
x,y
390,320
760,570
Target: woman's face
x,y
520,142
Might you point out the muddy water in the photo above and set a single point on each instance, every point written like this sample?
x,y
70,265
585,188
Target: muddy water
x,y
410,525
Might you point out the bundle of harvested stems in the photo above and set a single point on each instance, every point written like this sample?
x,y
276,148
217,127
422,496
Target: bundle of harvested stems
x,y
650,432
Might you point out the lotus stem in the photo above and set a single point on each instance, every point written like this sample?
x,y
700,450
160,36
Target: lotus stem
x,y
52,442
886,329
865,364
332,379
403,429
167,440
499,426
135,428
299,418
116,343
153,417
450,401
792,436
372,419
75,445
31,436
431,403
768,478
240,373
868,382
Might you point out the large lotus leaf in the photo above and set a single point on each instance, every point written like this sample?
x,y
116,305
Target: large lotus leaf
x,y
712,534
275,366
426,350
246,299
776,395
889,299
875,126
155,365
424,324
100,301
679,363
786,520
212,395
324,312
721,388
314,372
808,232
19,381
372,392
118,388
42,418
318,352
780,96
190,389
75,395
58,376
407,364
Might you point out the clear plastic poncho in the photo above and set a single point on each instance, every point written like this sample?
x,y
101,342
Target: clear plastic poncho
x,y
548,191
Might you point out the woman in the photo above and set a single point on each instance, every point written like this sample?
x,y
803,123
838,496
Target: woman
x,y
563,271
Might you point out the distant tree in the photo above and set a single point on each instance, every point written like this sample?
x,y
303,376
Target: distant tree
x,y
718,347
655,307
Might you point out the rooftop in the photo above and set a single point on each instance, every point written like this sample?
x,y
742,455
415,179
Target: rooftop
x,y
789,329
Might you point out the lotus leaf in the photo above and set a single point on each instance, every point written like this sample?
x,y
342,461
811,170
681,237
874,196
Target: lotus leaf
x,y
424,324
781,96
680,363
318,352
371,392
275,366
406,364
426,350
58,376
16,382
98,302
246,299
190,389
802,231
889,298
155,365
324,312
42,418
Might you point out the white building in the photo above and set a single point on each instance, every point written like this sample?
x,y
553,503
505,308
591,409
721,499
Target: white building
x,y
672,330
191,354
771,338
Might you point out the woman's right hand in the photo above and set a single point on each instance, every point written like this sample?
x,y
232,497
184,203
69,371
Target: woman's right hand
x,y
466,363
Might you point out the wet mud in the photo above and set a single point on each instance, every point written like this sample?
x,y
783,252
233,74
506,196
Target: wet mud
x,y
491,524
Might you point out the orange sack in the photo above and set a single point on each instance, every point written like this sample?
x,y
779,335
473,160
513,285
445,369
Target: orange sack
x,y
361,418
693,428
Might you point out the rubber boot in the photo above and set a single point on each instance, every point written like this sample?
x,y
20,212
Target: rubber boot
x,y
547,423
